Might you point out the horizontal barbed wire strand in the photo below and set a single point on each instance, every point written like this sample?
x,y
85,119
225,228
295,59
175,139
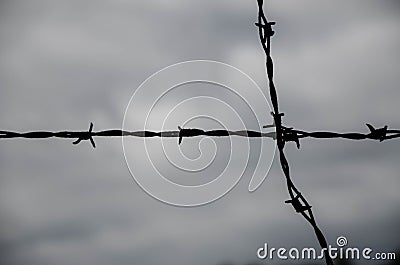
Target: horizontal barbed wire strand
x,y
289,134
90,134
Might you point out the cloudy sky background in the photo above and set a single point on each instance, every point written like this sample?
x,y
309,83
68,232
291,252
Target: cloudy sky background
x,y
66,63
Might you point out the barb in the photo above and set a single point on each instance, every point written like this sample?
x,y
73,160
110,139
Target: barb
x,y
86,136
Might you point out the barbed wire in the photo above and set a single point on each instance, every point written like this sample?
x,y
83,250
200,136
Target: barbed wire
x,y
285,134
288,134
90,134
282,134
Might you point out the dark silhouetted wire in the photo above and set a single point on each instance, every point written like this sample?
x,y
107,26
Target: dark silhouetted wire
x,y
288,134
90,134
283,134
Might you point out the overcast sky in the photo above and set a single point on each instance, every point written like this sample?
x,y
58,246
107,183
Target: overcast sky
x,y
64,64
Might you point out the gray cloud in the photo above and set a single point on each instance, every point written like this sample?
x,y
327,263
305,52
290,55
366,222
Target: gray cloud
x,y
64,64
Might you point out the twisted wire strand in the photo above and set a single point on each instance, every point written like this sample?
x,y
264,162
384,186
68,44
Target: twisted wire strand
x,y
298,201
289,135
90,134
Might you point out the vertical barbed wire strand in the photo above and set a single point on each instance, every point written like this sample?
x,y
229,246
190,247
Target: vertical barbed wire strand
x,y
298,201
